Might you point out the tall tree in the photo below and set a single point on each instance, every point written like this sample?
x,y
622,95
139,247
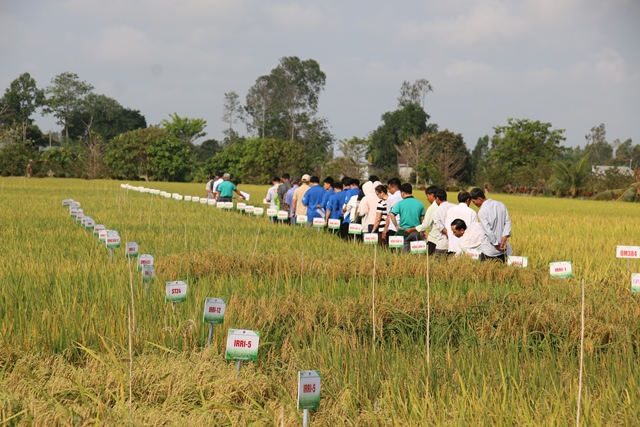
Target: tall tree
x,y
21,99
231,111
66,97
185,129
600,152
414,93
280,102
479,157
414,150
398,126
446,160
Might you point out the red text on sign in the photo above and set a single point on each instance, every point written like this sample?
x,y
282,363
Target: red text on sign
x,y
309,388
175,291
242,343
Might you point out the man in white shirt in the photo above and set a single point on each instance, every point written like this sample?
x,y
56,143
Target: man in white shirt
x,y
439,219
463,212
496,227
272,196
216,193
470,237
395,196
427,223
209,187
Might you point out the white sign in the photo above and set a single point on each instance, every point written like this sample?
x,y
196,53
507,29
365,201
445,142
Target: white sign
x,y
143,260
132,250
370,238
562,270
214,309
272,212
241,206
334,224
258,211
301,219
228,205
518,261
282,215
220,205
635,282
66,202
628,251
248,209
318,222
308,390
175,291
102,235
187,198
112,241
396,241
242,344
148,273
211,202
98,228
472,253
203,201
195,199
418,247
355,228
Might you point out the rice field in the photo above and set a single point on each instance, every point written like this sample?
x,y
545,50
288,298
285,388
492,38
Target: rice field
x,y
84,342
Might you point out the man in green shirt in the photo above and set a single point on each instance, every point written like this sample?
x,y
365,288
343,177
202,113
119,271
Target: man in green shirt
x,y
411,213
226,189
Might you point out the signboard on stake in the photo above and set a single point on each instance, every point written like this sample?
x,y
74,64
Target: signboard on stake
x,y
334,224
187,198
214,309
89,223
472,253
66,202
301,220
318,222
396,241
628,252
561,270
272,212
112,241
418,247
98,228
132,250
370,238
203,201
148,273
258,211
249,209
228,205
241,206
102,236
282,215
518,261
175,291
355,228
211,202
635,282
195,199
220,205
242,344
308,390
144,259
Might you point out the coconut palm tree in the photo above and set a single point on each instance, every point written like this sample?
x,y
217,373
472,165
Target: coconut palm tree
x,y
570,178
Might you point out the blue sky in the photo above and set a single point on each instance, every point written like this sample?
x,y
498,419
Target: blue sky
x,y
574,63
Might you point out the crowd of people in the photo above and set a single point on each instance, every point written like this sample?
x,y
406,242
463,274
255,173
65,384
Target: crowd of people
x,y
389,210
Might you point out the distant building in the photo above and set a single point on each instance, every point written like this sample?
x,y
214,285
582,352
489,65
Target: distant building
x,y
602,170
404,170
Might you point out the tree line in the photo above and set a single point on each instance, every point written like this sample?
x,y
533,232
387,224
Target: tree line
x,y
100,138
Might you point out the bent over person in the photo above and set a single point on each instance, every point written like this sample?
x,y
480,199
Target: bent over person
x,y
496,227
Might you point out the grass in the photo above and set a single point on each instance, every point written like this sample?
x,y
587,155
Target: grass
x,y
504,341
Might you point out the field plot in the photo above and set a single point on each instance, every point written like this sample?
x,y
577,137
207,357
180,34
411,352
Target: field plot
x,y
504,345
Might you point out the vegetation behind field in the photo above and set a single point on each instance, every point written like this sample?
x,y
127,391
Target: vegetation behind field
x,y
504,341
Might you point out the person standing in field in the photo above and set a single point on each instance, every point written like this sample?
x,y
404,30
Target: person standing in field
x,y
496,227
381,210
226,189
411,213
312,200
334,204
327,184
298,208
209,187
368,206
427,223
216,193
349,191
439,222
285,185
272,196
393,186
461,211
289,199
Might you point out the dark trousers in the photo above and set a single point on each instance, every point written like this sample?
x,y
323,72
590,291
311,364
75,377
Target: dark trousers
x,y
344,230
431,248
500,258
412,237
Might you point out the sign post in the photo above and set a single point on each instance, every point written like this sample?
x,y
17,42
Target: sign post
x,y
282,216
635,282
132,250
396,242
333,225
242,345
418,247
318,223
308,393
175,292
628,252
355,229
214,309
561,270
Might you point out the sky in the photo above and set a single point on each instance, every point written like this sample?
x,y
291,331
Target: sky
x,y
572,63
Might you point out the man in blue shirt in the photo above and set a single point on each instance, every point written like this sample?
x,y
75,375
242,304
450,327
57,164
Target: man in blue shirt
x,y
328,187
350,190
312,199
289,199
334,204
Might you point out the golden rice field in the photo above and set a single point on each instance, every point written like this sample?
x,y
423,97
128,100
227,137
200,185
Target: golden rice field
x,y
503,349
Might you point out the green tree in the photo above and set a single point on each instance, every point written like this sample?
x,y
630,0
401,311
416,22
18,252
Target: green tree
x,y
149,153
231,111
352,158
570,178
14,158
21,99
446,160
479,157
104,116
185,129
66,97
398,126
599,150
414,93
263,158
522,152
206,150
229,160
